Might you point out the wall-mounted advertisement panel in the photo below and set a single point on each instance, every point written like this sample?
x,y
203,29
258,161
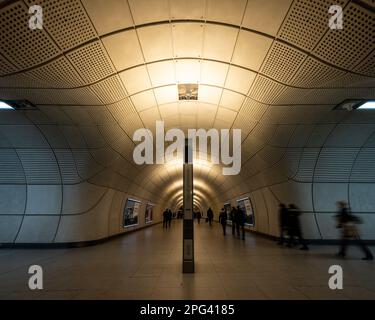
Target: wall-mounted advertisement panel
x,y
131,213
227,210
149,213
247,208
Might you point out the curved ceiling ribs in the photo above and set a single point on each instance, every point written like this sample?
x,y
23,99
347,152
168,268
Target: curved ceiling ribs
x,y
261,67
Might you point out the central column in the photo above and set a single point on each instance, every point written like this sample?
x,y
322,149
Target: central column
x,y
188,224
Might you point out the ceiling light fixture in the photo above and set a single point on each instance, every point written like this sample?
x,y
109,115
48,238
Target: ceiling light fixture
x,y
356,104
5,106
16,105
369,105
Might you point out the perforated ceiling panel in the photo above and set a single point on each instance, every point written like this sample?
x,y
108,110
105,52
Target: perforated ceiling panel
x,y
110,90
88,56
58,73
353,43
367,66
265,90
314,73
282,62
66,21
18,43
307,22
5,66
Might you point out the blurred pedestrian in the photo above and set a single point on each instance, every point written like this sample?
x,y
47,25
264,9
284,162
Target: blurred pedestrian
x,y
283,222
210,216
240,222
223,220
294,228
347,223
233,219
199,217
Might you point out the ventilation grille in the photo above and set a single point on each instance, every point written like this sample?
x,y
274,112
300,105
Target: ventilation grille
x,y
348,47
307,165
21,45
67,166
306,22
11,171
92,62
59,73
315,74
334,165
66,21
40,166
364,168
282,62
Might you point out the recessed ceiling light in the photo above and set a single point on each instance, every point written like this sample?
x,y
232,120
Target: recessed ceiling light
x,y
369,105
16,105
356,104
5,106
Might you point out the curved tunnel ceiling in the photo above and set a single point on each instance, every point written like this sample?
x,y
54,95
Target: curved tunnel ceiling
x,y
102,69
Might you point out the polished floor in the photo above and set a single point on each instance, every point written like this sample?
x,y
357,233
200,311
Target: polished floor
x,y
147,265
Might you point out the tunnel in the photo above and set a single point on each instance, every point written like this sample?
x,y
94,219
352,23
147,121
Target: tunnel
x,y
78,79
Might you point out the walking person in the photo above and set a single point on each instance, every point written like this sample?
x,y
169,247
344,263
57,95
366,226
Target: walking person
x,y
165,219
283,222
233,219
199,217
169,218
347,223
240,222
210,216
295,230
223,220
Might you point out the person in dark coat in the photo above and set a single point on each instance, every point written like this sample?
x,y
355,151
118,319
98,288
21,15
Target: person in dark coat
x,y
240,222
283,222
295,227
170,216
347,223
199,217
223,220
210,216
233,219
165,219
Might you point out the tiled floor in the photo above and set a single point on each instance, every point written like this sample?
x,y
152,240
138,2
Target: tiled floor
x,y
147,265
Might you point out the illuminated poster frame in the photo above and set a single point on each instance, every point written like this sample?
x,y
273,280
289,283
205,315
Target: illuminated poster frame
x,y
131,213
149,213
247,207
